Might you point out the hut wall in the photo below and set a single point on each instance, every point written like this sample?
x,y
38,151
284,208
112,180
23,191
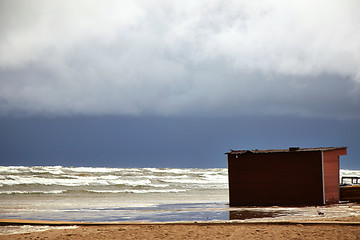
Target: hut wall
x,y
288,178
331,175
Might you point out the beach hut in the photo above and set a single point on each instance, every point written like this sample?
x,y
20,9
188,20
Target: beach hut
x,y
284,177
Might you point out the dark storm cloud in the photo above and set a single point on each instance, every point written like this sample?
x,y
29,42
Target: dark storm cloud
x,y
180,58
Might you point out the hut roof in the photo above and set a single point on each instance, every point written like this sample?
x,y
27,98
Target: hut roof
x,y
290,149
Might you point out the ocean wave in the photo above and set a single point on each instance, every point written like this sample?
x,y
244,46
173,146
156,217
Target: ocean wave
x,y
49,179
171,177
55,170
33,192
189,181
12,170
92,169
347,172
139,191
81,181
170,170
188,178
186,171
130,182
217,178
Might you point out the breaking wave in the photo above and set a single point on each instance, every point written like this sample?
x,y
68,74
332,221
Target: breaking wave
x,y
65,180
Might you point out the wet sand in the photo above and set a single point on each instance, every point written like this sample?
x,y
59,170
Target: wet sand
x,y
339,228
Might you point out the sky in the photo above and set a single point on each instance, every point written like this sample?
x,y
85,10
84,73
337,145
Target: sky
x,y
176,84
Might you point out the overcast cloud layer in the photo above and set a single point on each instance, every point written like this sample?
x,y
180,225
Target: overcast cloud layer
x,y
204,57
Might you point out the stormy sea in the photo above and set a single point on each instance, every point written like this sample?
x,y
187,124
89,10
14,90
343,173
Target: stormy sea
x,y
131,194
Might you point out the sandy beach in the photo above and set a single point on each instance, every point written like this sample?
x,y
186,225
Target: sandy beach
x,y
340,228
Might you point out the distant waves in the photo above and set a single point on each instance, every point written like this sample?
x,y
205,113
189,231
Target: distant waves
x,y
65,180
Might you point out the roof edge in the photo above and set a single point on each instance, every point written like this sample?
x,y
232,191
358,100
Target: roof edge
x,y
291,149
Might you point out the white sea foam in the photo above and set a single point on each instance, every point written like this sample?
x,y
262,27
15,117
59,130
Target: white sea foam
x,y
144,182
169,170
109,177
9,230
188,181
52,170
11,170
78,181
33,192
93,170
139,191
217,178
88,176
346,172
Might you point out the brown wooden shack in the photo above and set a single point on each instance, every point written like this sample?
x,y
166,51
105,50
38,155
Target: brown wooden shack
x,y
284,177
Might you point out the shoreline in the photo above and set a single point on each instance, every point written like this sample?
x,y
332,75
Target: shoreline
x,y
339,228
337,221
195,212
